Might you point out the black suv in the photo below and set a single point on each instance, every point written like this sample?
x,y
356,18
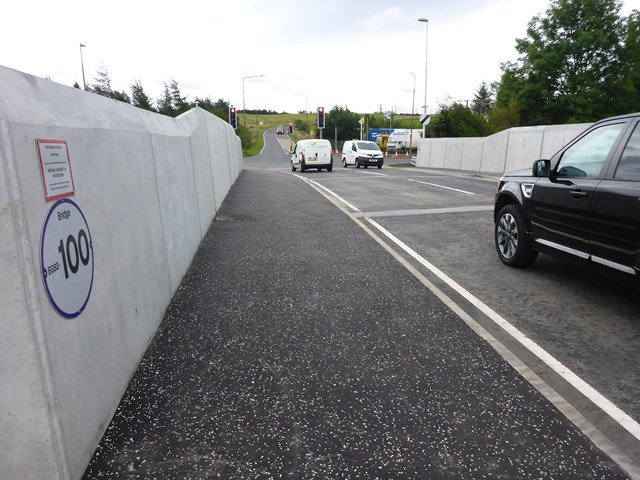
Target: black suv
x,y
582,205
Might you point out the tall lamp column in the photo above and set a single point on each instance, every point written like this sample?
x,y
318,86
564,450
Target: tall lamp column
x,y
84,83
426,52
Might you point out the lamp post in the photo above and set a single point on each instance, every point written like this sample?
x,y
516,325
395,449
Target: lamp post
x,y
244,112
426,51
306,107
413,102
84,83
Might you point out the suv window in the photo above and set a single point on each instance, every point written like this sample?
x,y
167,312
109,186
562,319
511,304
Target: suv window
x,y
629,166
586,157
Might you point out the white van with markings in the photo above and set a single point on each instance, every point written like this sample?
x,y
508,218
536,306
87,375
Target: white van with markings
x,y
362,153
312,154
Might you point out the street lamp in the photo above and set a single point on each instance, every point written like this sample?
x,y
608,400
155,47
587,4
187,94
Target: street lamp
x,y
426,51
413,102
244,111
84,83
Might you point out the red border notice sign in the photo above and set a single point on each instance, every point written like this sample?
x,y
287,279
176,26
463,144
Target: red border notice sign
x,y
55,167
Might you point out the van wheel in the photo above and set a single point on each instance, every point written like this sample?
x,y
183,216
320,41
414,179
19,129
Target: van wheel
x,y
379,167
302,166
344,162
357,163
293,168
330,168
365,166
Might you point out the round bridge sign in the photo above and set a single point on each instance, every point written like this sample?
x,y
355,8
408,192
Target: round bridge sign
x,y
66,258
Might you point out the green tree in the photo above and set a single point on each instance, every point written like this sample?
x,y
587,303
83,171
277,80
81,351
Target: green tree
x,y
506,116
120,95
139,98
165,103
482,100
102,86
456,120
573,65
178,102
101,82
346,122
631,58
377,120
219,108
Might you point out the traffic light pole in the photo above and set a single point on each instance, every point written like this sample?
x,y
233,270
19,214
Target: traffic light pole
x,y
320,119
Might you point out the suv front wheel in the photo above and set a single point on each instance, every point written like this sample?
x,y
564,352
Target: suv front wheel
x,y
512,244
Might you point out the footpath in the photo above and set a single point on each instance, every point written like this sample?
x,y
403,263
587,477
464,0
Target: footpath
x,y
296,347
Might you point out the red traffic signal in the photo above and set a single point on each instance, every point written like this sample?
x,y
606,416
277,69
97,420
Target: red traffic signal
x,y
232,117
320,117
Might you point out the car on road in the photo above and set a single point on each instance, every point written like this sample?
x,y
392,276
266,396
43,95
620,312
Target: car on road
x,y
312,154
280,129
583,204
362,153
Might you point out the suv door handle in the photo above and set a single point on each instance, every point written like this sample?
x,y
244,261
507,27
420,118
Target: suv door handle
x,y
578,194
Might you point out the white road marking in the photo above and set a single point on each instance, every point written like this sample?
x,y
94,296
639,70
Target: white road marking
x,y
441,186
329,192
615,413
607,406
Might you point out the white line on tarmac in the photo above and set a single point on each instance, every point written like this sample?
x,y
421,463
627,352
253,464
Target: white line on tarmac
x,y
441,186
327,191
563,405
607,406
375,173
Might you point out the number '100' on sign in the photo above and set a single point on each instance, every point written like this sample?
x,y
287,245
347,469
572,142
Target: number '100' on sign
x,y
66,256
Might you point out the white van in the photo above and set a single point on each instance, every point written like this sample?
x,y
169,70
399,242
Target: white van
x,y
362,153
312,154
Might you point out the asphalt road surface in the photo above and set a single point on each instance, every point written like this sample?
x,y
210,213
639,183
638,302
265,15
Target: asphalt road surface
x,y
357,324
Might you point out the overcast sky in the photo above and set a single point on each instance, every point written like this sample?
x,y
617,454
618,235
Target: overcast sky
x,y
355,53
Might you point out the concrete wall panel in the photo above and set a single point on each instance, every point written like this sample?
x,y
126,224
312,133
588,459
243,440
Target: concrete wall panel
x,y
494,152
472,154
453,155
438,156
507,150
525,146
149,186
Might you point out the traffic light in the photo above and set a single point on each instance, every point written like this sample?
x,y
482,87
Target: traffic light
x,y
320,117
232,117
290,128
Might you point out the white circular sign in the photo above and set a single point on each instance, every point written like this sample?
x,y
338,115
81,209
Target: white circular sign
x,y
66,257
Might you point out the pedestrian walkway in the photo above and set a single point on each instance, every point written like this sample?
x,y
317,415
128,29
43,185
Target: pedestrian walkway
x,y
296,347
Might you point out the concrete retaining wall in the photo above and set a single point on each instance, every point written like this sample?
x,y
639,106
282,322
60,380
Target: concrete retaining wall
x,y
507,150
148,186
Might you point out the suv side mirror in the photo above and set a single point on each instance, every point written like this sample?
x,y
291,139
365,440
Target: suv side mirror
x,y
541,168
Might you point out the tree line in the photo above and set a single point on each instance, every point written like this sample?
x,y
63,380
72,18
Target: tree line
x,y
579,62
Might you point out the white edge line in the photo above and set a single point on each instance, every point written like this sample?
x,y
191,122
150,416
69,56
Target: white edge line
x,y
597,398
567,409
316,184
441,186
